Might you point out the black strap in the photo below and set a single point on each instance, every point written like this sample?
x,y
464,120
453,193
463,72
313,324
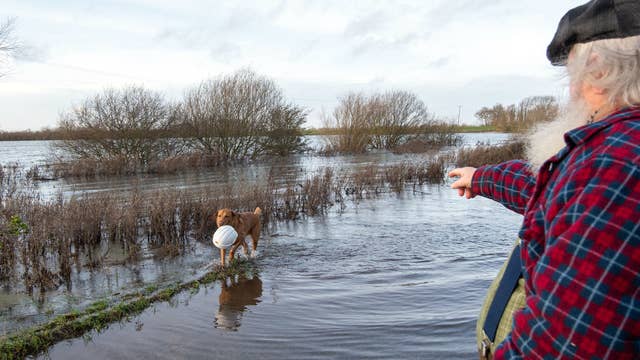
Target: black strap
x,y
507,284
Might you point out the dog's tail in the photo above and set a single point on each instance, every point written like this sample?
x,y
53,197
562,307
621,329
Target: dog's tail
x,y
258,211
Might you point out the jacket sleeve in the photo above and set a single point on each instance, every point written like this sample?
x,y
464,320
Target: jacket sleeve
x,y
583,299
510,183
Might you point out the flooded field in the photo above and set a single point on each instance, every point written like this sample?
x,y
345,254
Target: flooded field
x,y
401,276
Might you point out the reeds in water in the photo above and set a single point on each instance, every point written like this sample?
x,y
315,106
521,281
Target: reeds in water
x,y
44,241
484,154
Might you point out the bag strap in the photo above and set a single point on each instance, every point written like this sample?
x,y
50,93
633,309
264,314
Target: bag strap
x,y
508,283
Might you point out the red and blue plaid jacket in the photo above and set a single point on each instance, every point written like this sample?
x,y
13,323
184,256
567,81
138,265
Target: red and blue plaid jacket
x,y
581,243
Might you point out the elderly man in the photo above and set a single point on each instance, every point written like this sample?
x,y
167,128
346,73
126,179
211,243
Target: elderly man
x,y
580,238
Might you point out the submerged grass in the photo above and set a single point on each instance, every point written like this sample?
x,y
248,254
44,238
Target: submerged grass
x,y
91,168
44,241
484,154
100,314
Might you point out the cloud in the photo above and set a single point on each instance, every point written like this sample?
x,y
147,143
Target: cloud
x,y
304,50
455,48
456,10
366,25
239,18
391,42
192,37
277,9
439,62
226,52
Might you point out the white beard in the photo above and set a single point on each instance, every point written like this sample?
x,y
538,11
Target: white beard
x,y
546,139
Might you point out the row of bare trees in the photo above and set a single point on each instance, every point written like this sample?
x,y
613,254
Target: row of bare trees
x,y
239,116
521,116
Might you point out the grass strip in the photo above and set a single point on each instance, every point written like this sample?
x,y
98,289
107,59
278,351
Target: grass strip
x,y
99,315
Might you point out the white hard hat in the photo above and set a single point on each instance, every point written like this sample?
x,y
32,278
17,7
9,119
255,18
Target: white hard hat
x,y
225,236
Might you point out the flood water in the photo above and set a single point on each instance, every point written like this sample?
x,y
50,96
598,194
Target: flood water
x,y
397,277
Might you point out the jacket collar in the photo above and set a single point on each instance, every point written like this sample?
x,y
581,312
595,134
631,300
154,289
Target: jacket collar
x,y
581,134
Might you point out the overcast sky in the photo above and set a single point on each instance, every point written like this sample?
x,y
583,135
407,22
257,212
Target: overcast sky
x,y
451,53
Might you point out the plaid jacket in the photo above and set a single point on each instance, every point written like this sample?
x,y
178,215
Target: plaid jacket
x,y
581,243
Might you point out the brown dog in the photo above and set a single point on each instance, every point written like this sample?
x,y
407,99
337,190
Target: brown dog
x,y
245,223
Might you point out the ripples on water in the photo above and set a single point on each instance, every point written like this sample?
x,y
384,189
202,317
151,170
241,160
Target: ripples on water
x,y
387,280
401,277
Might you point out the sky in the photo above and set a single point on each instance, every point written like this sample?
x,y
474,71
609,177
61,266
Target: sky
x,y
455,55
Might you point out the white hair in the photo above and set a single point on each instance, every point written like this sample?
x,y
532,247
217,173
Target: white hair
x,y
610,64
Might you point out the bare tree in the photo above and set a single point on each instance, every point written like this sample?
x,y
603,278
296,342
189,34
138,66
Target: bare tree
x,y
395,115
283,134
229,115
379,121
351,119
130,124
521,116
537,109
9,45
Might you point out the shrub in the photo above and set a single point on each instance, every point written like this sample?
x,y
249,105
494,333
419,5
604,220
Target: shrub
x,y
283,133
241,115
128,125
379,121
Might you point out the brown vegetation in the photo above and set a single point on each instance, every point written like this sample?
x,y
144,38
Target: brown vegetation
x,y
378,121
45,240
483,154
134,130
384,121
241,115
123,125
90,168
430,138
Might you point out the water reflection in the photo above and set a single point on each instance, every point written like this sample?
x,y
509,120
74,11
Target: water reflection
x,y
235,298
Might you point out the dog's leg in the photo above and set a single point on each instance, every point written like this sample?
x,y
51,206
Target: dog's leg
x,y
245,247
255,236
222,257
234,248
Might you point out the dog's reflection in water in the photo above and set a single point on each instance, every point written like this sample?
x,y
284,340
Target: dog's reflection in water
x,y
235,297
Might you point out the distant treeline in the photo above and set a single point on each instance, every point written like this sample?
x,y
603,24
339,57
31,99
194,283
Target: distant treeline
x,y
521,116
57,134
506,118
243,116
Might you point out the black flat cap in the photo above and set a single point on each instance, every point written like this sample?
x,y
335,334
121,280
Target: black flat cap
x,y
595,20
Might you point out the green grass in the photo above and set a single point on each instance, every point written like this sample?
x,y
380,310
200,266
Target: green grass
x,y
100,314
475,128
455,128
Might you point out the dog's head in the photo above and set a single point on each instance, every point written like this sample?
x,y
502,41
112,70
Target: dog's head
x,y
225,217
